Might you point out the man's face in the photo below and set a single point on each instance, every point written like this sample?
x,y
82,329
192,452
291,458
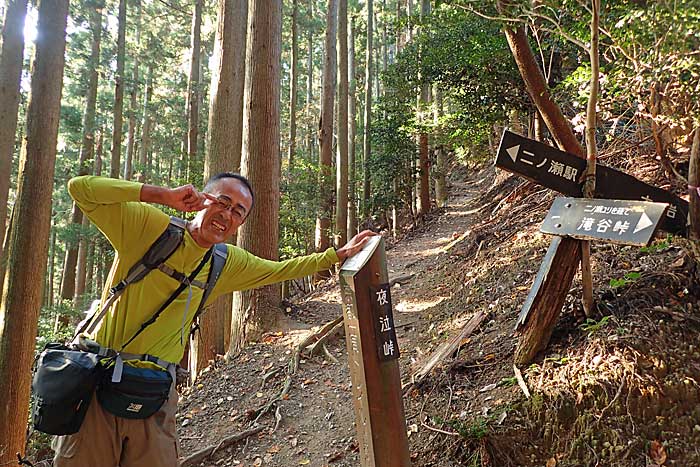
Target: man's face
x,y
220,219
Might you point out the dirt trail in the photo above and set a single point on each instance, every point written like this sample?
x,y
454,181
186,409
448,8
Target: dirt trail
x,y
316,421
603,392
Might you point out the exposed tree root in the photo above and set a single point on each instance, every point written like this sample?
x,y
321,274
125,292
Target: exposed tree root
x,y
207,452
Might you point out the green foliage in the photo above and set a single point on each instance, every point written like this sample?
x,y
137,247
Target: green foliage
x,y
657,247
50,329
298,209
628,278
592,326
475,430
508,382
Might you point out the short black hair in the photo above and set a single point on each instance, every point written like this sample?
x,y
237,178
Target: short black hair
x,y
215,178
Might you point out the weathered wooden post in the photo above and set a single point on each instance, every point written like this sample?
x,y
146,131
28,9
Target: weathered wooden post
x,y
373,354
559,171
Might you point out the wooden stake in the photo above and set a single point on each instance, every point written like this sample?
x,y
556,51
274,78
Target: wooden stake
x,y
546,298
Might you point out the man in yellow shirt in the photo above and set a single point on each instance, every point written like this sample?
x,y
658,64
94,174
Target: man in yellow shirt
x,y
121,211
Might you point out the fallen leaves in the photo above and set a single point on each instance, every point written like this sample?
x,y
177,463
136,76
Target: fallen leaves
x,y
657,452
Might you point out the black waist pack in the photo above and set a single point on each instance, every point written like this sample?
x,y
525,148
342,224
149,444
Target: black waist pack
x,y
140,393
63,384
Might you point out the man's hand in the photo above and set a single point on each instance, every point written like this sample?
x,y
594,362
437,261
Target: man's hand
x,y
354,245
185,198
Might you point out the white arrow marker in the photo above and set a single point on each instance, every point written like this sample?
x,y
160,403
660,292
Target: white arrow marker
x,y
513,152
643,223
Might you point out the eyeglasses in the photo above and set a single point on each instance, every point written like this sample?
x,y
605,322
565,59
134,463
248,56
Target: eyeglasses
x,y
224,203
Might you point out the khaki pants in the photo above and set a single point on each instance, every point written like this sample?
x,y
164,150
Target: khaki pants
x,y
105,440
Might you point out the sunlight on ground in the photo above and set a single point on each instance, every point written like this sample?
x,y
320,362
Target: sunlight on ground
x,y
463,213
406,306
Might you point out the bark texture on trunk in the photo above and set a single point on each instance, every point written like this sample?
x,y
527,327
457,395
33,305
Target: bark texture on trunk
x,y
367,143
29,239
192,101
546,305
225,139
293,78
341,197
325,131
257,311
146,123
10,72
133,103
118,93
225,135
87,154
352,134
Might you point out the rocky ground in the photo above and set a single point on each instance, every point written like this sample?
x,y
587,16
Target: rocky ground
x,y
620,389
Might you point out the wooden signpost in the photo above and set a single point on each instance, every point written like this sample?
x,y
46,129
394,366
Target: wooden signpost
x,y
609,220
373,354
562,172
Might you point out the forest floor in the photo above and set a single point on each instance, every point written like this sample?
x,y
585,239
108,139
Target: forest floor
x,y
621,389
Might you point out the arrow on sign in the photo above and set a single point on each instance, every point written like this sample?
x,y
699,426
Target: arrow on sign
x,y
513,152
643,223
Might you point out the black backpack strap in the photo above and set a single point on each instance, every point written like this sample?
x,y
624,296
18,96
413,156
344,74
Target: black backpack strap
x,y
218,261
172,297
164,246
157,254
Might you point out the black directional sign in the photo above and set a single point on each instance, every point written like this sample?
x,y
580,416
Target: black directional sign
x,y
562,171
387,344
611,220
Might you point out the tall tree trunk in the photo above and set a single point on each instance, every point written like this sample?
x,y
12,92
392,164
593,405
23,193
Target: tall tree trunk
x,y
310,83
133,102
591,152
377,64
325,133
409,24
258,310
549,301
538,90
87,150
10,73
423,206
341,206
48,299
225,135
146,121
352,133
81,266
366,146
90,279
224,143
99,151
118,92
399,33
29,239
385,41
293,77
192,101
440,162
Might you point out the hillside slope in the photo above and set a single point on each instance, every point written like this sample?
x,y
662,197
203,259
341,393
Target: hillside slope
x,y
621,390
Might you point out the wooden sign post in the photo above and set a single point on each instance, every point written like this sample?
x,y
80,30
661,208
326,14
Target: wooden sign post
x,y
561,171
609,220
373,354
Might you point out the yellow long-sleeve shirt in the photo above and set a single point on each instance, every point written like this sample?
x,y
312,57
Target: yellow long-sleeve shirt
x,y
131,227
